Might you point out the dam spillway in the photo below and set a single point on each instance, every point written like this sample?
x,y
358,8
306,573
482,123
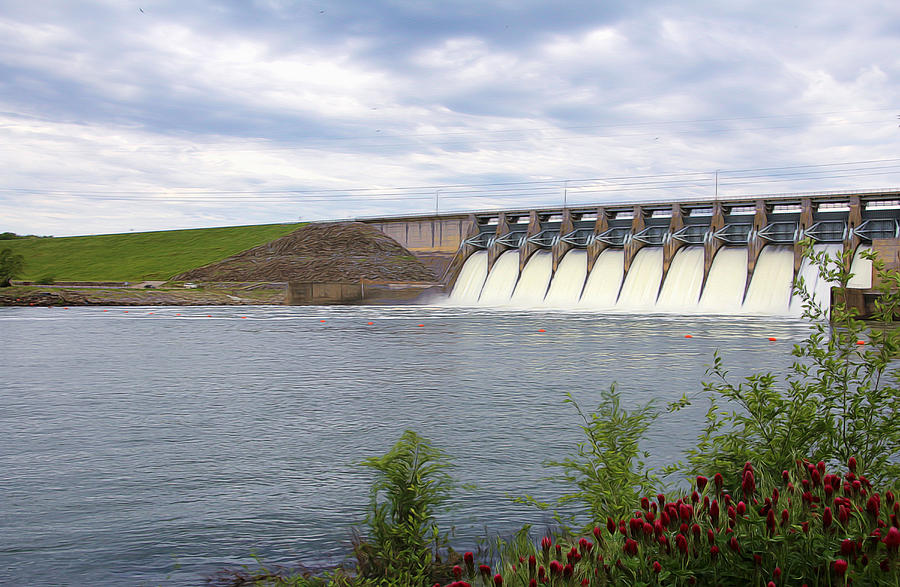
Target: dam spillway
x,y
769,293
720,257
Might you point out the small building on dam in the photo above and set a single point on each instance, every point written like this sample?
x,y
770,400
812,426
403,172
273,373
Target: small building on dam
x,y
716,256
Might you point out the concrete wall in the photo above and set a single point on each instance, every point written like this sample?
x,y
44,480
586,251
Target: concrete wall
x,y
436,234
888,250
306,293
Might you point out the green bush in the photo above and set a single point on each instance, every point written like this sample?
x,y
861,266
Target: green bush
x,y
607,474
411,483
11,264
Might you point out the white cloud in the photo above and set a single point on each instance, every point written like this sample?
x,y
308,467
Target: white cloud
x,y
232,113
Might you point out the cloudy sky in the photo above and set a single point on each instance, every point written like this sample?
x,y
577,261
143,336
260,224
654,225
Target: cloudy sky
x,y
124,115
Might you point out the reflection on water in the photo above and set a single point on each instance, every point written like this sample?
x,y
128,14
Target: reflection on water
x,y
155,446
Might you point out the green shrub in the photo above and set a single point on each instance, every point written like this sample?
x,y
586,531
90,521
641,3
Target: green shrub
x,y
411,483
11,264
607,472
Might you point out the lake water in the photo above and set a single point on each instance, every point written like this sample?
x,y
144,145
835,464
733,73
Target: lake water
x,y
154,446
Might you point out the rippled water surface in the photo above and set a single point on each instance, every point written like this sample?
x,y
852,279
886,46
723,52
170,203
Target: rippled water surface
x,y
154,446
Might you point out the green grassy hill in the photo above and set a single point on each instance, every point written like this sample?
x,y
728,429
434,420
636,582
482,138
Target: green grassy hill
x,y
136,256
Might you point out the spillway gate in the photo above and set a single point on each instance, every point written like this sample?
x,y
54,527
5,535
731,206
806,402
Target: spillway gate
x,y
848,220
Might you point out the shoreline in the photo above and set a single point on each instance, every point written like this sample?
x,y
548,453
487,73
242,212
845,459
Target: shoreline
x,y
238,295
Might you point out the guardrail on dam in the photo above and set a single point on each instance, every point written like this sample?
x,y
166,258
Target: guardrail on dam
x,y
847,219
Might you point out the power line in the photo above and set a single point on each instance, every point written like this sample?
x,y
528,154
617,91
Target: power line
x,y
378,140
814,171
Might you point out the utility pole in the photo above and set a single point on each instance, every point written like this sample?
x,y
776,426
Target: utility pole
x,y
565,193
717,184
437,201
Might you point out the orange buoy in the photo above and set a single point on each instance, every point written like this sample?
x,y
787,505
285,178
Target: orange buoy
x,y
772,339
126,311
65,308
421,325
178,314
370,323
106,310
321,321
689,336
209,315
243,317
541,330
860,342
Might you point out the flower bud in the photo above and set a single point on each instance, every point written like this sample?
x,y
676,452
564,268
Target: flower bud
x,y
892,540
630,548
840,567
701,482
681,543
718,480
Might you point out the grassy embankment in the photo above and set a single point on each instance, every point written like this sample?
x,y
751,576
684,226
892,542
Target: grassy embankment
x,y
138,256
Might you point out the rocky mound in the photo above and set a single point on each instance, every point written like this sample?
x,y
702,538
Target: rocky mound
x,y
336,251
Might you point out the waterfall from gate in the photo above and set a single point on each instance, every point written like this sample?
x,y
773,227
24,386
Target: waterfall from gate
x,y
605,281
770,288
642,281
681,290
534,281
501,281
724,291
568,282
818,287
471,279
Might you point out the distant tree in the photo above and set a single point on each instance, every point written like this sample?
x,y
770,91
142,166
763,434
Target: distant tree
x,y
8,236
11,264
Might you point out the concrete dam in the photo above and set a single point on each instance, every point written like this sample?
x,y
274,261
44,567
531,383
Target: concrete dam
x,y
736,256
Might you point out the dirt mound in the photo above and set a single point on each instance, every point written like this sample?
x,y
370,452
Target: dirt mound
x,y
336,251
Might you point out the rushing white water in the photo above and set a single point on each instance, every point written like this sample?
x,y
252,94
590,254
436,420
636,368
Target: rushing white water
x,y
818,287
861,270
642,282
535,278
770,287
471,279
681,289
605,281
568,282
501,281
